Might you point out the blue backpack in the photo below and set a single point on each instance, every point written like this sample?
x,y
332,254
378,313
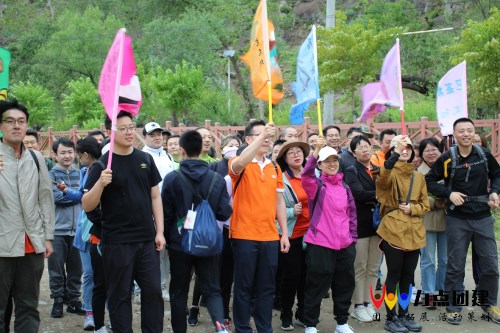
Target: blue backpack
x,y
205,239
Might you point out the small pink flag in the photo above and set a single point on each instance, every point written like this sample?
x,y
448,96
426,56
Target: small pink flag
x,y
374,96
119,87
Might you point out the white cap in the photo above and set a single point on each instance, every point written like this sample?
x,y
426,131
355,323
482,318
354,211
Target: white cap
x,y
326,152
152,126
394,141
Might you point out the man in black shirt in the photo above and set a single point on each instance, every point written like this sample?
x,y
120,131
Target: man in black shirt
x,y
132,228
468,216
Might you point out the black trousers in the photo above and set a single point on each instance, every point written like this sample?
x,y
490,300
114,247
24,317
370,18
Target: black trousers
x,y
99,291
226,271
207,274
20,279
327,268
122,264
293,278
401,267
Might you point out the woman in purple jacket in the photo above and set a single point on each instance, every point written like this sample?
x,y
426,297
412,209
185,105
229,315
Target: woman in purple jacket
x,y
330,239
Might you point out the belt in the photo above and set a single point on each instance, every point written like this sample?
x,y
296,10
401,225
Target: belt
x,y
474,199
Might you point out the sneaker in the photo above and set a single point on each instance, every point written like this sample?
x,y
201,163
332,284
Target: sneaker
x,y
344,329
193,316
370,309
493,313
410,324
88,324
165,295
57,308
286,323
227,324
102,330
311,330
76,308
432,300
361,314
454,318
395,326
413,294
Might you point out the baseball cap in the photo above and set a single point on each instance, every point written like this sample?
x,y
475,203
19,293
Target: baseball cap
x,y
394,141
366,131
151,127
326,152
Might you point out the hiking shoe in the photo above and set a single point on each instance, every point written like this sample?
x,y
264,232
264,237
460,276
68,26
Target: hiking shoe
x,y
311,330
493,312
370,309
57,308
227,324
193,316
410,324
76,308
432,300
88,323
453,318
395,326
344,329
102,330
360,313
286,323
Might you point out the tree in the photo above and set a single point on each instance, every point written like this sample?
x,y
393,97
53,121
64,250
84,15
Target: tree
x,y
479,45
77,48
82,104
38,100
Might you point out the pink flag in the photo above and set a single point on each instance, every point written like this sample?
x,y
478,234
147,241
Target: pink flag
x,y
391,77
119,87
451,98
377,96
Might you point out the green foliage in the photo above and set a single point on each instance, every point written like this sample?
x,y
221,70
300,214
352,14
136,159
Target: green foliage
x,y
479,45
82,104
38,100
77,48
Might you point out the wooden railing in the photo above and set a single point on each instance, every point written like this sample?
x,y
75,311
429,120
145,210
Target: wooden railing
x,y
417,130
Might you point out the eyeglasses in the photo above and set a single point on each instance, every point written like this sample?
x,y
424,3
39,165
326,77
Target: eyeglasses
x,y
294,153
363,148
12,121
125,130
428,151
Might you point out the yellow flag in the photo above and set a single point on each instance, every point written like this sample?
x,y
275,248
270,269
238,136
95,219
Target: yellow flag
x,y
262,57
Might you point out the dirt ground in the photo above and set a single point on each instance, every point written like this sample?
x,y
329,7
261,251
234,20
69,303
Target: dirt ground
x,y
471,322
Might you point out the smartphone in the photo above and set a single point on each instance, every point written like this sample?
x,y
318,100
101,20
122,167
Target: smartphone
x,y
55,183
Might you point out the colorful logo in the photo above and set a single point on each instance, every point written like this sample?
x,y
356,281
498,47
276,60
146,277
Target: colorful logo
x,y
391,299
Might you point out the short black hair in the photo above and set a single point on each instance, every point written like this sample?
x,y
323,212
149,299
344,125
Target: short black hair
x,y
32,132
428,141
97,132
312,135
353,129
62,142
279,142
251,125
173,137
386,132
327,128
462,120
90,146
13,104
192,143
107,120
357,140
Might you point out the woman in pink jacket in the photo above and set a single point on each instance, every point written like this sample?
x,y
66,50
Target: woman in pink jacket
x,y
330,239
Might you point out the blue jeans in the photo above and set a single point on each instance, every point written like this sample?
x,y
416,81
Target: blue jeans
x,y
87,279
432,279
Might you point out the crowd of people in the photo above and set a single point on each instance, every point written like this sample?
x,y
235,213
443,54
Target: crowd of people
x,y
299,220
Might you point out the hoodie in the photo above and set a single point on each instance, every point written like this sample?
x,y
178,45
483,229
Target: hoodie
x,y
177,198
68,205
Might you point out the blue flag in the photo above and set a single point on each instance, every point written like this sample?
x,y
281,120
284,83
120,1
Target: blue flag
x,y
306,89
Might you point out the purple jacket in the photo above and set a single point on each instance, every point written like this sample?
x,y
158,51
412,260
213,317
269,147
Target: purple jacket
x,y
334,224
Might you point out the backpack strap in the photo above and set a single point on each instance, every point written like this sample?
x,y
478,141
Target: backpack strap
x,y
35,159
316,196
241,176
188,183
408,197
212,183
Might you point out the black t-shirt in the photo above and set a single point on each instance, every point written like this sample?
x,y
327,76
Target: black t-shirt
x,y
126,205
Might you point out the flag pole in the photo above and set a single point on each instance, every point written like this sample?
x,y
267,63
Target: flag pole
x,y
400,91
269,93
115,102
320,122
403,126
